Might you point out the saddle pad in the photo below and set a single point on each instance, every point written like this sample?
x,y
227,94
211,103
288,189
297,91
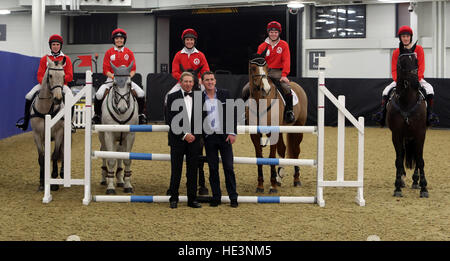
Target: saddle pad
x,y
294,97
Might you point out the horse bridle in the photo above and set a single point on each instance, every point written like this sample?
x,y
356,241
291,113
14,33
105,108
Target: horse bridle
x,y
259,62
48,82
125,96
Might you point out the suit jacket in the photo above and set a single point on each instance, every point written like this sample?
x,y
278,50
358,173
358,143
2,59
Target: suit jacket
x,y
178,116
221,95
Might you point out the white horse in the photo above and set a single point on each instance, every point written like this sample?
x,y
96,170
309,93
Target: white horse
x,y
119,107
49,101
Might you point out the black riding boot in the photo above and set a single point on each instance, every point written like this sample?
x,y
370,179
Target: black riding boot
x,y
26,117
97,119
141,109
380,116
432,118
288,112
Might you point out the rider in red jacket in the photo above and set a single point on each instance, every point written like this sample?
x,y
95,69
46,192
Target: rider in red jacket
x,y
189,57
405,34
278,58
118,55
55,43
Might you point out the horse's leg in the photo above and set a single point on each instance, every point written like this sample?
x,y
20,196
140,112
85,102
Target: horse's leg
x,y
104,168
41,172
400,156
421,164
256,140
110,163
415,177
127,146
40,149
127,187
281,149
293,141
119,174
273,172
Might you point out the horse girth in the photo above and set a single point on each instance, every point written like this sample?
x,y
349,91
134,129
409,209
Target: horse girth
x,y
406,114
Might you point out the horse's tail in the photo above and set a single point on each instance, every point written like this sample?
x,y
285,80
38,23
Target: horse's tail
x,y
410,153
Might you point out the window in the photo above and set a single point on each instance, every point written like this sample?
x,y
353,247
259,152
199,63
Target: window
x,y
402,16
92,29
338,21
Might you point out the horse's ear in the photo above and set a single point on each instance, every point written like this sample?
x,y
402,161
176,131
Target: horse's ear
x,y
181,68
113,66
64,61
401,47
263,54
414,47
130,66
49,61
197,70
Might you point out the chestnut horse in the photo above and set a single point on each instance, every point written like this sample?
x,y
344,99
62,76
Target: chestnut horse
x,y
263,89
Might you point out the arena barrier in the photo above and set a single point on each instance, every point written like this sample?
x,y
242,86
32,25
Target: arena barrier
x,y
319,162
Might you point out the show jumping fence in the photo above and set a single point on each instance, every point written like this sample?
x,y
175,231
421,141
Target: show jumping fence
x,y
343,113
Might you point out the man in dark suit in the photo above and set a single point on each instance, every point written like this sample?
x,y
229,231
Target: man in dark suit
x,y
184,137
219,134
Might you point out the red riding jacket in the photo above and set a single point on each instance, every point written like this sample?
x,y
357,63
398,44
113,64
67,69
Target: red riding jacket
x,y
68,72
118,58
277,57
420,61
192,61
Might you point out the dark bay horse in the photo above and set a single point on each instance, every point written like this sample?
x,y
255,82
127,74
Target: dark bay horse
x,y
262,88
406,118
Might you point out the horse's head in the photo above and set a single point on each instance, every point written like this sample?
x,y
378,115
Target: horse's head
x,y
258,75
55,78
122,87
195,72
407,68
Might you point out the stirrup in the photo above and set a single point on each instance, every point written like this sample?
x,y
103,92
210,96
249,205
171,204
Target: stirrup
x,y
142,119
96,119
289,116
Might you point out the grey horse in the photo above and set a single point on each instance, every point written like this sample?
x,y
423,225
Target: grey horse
x,y
49,101
119,107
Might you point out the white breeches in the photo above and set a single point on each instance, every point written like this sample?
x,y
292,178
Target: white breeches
x,y
428,88
101,91
38,87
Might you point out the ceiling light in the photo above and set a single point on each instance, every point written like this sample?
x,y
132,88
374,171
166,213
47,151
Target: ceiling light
x,y
295,5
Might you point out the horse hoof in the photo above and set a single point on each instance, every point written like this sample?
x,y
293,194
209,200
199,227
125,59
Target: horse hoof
x,y
110,192
120,185
103,183
398,194
54,187
297,184
272,191
278,184
259,190
415,186
128,190
424,194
